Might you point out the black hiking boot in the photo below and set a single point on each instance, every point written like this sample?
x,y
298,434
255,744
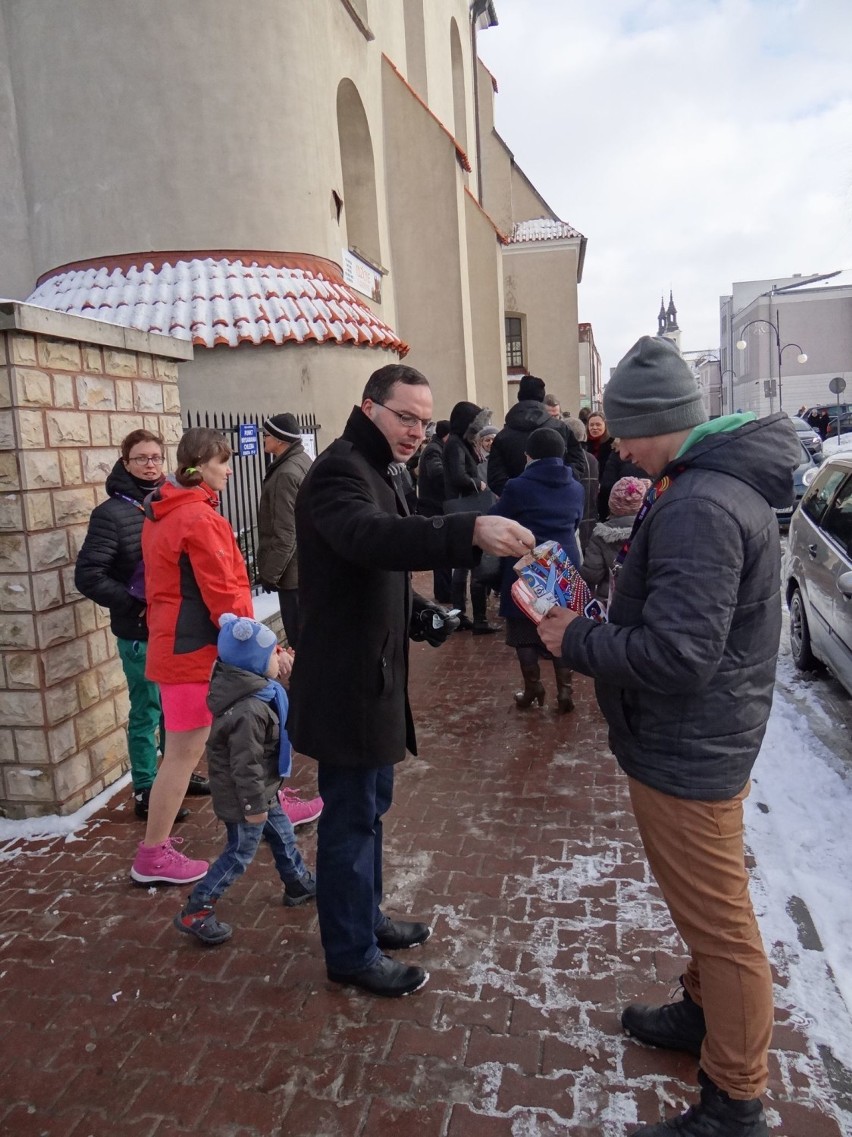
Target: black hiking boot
x,y
140,806
716,1115
674,1026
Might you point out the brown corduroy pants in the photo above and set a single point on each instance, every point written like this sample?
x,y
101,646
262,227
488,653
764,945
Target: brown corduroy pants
x,y
696,853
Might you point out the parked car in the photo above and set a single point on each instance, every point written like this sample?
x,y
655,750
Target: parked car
x,y
817,573
808,436
808,462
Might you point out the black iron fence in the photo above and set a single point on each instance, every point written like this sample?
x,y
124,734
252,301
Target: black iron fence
x,y
241,496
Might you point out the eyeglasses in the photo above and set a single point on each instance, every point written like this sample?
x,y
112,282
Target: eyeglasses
x,y
145,460
408,421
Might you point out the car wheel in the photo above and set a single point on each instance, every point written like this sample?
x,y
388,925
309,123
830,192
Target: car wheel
x,y
800,636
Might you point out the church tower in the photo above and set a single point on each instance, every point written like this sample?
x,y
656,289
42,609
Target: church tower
x,y
667,322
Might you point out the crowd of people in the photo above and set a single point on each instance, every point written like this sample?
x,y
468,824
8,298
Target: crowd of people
x,y
644,495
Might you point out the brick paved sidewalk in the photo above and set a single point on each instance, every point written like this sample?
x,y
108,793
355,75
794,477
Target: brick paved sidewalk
x,y
511,832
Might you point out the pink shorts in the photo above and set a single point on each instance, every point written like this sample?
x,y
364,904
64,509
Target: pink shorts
x,y
185,706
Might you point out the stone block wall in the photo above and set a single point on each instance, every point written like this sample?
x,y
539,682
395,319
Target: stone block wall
x,y
70,390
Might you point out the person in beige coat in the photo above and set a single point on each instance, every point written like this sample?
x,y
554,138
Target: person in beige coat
x,y
277,570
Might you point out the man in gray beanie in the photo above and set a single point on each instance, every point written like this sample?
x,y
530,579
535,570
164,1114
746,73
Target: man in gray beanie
x,y
684,673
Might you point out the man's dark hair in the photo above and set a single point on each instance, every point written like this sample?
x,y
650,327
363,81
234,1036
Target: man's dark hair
x,y
442,428
380,382
531,387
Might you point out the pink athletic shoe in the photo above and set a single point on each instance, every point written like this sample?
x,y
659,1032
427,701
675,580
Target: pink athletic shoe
x,y
300,812
163,864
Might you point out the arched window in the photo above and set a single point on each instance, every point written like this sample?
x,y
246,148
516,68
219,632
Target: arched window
x,y
415,47
359,174
459,103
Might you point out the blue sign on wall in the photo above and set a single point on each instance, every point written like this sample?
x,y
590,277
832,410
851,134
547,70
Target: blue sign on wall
x,y
248,440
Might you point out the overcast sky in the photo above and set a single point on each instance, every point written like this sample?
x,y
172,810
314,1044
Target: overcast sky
x,y
692,142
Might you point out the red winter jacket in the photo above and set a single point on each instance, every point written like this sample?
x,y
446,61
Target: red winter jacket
x,y
193,574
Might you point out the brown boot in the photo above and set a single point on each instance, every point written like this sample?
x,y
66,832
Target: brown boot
x,y
564,688
533,687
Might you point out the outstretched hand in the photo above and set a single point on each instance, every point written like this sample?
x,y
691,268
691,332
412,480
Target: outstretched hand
x,y
502,537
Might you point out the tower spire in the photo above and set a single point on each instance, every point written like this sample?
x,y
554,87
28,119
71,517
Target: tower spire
x,y
661,318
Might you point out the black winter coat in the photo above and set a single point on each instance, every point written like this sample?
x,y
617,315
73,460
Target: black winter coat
x,y
507,458
112,552
461,462
430,479
357,546
613,471
242,750
685,668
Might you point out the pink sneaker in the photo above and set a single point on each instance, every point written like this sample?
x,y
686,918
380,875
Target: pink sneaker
x,y
163,864
300,812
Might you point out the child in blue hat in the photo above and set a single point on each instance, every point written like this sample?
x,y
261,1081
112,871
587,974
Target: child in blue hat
x,y
248,753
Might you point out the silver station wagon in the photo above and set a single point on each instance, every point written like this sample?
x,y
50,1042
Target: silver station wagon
x,y
818,572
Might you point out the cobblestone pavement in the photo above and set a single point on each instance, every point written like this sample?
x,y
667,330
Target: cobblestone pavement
x,y
511,832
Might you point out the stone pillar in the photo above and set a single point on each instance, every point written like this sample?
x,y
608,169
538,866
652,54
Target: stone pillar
x,y
70,390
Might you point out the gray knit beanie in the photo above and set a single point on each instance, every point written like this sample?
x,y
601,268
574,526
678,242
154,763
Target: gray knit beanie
x,y
652,391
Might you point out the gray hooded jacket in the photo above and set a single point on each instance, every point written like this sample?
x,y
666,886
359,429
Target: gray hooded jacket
x,y
685,668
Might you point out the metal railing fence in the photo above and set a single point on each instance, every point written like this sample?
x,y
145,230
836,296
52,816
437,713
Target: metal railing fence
x,y
240,499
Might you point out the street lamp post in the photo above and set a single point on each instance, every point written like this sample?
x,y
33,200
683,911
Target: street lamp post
x,y
801,358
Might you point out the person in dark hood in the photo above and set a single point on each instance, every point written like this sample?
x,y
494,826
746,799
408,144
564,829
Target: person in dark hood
x,y
507,457
684,673
430,499
462,479
109,571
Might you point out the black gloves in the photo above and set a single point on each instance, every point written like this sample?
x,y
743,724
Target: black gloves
x,y
432,623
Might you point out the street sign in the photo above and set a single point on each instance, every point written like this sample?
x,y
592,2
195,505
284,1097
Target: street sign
x,y
769,388
248,440
837,385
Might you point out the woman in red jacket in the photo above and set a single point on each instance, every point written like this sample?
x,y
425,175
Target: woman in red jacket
x,y
194,573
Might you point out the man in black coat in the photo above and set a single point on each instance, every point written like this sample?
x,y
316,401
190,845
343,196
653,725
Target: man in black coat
x,y
508,458
684,673
349,709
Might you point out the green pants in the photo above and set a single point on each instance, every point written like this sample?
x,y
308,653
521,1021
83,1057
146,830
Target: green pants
x,y
143,722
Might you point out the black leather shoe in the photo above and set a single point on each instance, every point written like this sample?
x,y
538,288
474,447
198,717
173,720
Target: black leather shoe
x,y
386,977
198,786
465,624
483,628
675,1026
394,935
140,806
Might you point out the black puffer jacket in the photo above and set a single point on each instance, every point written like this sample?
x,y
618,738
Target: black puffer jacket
x,y
242,750
507,458
686,666
112,552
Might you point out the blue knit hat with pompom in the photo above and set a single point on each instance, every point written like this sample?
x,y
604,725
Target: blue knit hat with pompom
x,y
246,643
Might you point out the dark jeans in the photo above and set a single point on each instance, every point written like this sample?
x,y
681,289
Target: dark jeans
x,y
288,600
242,844
349,863
442,585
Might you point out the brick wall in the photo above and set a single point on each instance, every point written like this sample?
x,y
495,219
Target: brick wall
x,y
66,402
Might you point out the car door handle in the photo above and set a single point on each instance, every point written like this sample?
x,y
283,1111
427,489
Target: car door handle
x,y
812,552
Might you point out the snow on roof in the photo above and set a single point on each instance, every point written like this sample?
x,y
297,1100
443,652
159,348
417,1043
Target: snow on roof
x,y
219,298
542,229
